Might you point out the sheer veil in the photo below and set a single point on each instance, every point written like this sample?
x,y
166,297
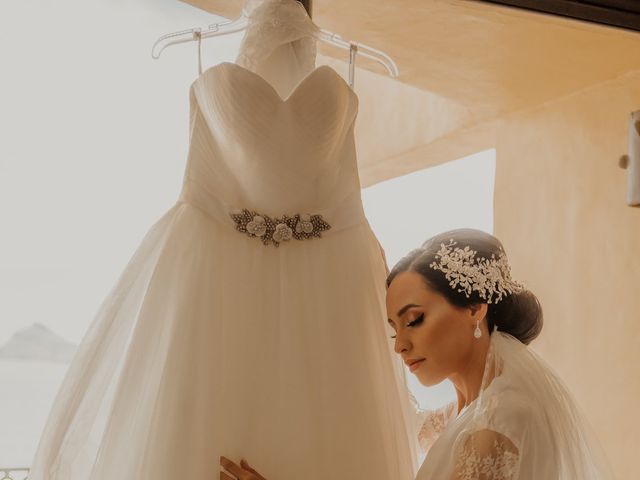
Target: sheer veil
x,y
525,403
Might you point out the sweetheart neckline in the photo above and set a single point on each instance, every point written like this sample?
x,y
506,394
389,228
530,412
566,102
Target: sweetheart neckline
x,y
269,86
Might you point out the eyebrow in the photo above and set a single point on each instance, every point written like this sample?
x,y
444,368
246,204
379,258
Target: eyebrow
x,y
402,311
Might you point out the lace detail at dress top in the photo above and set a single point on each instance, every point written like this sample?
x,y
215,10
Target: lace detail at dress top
x,y
284,22
433,423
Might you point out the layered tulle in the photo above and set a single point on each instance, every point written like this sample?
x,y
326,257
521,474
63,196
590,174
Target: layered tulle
x,y
209,345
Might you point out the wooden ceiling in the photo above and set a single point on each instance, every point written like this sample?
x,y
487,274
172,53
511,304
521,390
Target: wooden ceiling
x,y
491,58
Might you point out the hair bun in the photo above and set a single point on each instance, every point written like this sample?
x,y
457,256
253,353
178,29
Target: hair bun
x,y
519,315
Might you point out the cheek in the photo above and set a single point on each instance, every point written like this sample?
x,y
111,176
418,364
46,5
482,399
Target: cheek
x,y
440,341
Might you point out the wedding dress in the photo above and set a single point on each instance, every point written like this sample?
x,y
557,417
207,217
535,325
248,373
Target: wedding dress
x,y
524,425
250,322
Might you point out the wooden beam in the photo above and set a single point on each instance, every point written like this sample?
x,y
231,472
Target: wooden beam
x,y
617,13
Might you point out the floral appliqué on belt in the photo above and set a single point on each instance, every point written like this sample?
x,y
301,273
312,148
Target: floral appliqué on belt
x,y
282,229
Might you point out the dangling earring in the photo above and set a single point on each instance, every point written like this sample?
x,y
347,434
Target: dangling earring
x,y
477,332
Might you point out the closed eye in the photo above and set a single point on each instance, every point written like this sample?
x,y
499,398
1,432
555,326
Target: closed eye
x,y
418,320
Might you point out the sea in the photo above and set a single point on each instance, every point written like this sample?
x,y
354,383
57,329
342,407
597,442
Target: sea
x,y
27,391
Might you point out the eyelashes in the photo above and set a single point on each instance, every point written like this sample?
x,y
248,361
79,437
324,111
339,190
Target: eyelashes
x,y
418,321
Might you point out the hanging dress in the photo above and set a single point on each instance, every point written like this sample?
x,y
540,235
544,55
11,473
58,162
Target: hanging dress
x,y
250,322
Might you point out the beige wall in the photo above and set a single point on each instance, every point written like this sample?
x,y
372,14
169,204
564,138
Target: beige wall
x,y
560,210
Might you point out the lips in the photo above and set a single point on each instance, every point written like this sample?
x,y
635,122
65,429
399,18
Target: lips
x,y
414,363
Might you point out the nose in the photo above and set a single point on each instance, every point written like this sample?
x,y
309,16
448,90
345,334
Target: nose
x,y
401,344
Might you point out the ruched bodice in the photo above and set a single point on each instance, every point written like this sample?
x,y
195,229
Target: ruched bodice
x,y
273,133
250,148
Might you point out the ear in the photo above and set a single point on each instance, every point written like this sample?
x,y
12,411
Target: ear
x,y
478,311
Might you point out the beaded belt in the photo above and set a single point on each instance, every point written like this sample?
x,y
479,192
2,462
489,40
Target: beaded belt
x,y
271,229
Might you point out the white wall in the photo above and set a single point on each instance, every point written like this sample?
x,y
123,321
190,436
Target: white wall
x,y
407,210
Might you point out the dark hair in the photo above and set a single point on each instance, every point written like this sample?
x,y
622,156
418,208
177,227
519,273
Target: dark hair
x,y
518,314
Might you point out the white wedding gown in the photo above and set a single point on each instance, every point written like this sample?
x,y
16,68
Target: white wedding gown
x,y
217,342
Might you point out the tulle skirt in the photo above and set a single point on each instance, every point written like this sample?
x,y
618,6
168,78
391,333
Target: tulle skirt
x,y
211,344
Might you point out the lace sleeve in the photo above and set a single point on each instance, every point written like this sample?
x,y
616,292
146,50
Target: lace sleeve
x,y
487,455
433,423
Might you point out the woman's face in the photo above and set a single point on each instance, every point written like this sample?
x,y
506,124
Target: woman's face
x,y
433,337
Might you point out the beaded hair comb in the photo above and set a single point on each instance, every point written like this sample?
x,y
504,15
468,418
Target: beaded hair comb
x,y
467,273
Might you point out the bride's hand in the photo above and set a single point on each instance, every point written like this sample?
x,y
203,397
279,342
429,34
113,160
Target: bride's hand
x,y
240,472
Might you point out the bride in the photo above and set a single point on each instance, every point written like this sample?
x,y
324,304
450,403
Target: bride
x,y
457,314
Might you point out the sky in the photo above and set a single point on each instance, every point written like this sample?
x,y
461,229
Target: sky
x,y
94,144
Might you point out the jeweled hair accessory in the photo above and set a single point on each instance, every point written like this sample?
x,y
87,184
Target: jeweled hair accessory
x,y
278,230
467,273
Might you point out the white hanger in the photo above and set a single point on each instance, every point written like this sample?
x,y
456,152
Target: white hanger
x,y
241,23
